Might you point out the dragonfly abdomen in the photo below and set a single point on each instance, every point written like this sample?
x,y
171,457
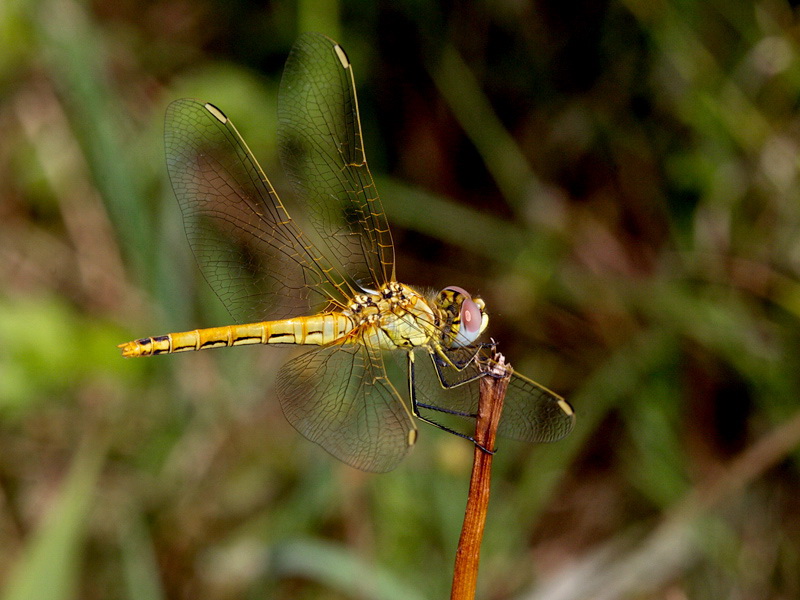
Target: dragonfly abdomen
x,y
316,331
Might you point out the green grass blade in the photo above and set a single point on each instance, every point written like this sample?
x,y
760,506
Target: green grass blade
x,y
49,567
338,568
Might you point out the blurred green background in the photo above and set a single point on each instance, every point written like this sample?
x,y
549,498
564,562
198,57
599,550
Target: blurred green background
x,y
619,181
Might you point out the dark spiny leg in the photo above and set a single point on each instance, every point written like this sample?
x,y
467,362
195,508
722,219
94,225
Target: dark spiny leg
x,y
440,359
460,365
415,408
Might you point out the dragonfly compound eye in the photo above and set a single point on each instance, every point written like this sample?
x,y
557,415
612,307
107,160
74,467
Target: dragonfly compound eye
x,y
466,317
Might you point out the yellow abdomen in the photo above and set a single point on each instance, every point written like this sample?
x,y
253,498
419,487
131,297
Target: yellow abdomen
x,y
317,330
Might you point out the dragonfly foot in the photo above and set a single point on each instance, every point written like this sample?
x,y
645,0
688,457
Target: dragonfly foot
x,y
483,449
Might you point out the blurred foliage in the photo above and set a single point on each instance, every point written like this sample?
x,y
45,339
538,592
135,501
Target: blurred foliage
x,y
619,181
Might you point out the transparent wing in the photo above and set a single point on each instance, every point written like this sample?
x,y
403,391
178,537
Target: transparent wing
x,y
531,412
322,151
340,398
249,249
459,390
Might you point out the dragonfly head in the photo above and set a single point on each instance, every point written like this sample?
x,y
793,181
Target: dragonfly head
x,y
465,317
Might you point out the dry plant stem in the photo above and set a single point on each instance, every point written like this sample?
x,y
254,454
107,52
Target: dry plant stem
x,y
492,392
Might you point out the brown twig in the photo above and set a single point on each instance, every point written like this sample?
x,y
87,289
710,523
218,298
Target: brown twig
x,y
490,406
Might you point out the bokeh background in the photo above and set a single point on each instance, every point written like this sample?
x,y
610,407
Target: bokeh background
x,y
619,181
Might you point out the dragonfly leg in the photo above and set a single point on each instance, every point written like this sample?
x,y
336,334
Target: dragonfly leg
x,y
456,363
440,360
461,364
447,411
415,406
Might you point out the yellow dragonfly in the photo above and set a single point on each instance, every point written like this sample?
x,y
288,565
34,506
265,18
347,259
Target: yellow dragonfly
x,y
329,281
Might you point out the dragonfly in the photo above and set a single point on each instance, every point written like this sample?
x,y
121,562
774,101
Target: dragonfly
x,y
326,279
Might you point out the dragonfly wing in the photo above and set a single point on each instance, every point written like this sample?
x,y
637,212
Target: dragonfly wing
x,y
437,383
322,151
531,412
339,397
248,247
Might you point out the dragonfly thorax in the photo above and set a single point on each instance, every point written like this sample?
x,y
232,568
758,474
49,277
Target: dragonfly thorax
x,y
395,316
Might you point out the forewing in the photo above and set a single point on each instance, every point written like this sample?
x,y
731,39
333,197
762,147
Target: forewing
x,y
340,398
531,412
249,249
322,151
436,382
